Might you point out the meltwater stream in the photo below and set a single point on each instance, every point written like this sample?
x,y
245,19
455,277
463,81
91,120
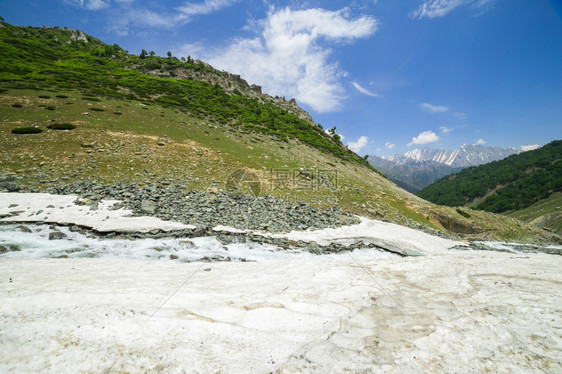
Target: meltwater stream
x,y
36,243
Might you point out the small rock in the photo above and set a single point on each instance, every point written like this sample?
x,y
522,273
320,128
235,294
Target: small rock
x,y
24,229
187,243
57,235
9,248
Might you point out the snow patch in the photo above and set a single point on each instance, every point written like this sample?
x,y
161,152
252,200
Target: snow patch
x,y
61,209
461,312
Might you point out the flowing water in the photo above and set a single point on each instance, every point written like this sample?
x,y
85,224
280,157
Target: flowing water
x,y
36,244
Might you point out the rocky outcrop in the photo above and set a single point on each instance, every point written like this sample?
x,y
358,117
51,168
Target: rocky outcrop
x,y
233,83
457,225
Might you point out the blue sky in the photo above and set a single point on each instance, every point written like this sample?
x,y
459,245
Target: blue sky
x,y
390,75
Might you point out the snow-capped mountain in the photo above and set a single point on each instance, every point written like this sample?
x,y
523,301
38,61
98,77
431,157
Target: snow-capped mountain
x,y
467,155
421,167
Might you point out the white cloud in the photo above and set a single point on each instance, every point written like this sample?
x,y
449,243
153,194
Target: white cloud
x,y
145,17
90,4
183,11
359,144
363,90
127,14
531,147
480,142
440,8
287,57
206,7
96,4
389,145
433,108
425,137
445,130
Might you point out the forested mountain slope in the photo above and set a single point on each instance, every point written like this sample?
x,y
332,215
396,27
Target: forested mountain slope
x,y
510,184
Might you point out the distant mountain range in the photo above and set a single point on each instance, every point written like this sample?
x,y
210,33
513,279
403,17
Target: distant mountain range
x,y
420,167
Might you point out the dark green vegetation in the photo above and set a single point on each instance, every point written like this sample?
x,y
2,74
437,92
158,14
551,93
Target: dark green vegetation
x,y
55,58
463,213
61,126
26,130
510,184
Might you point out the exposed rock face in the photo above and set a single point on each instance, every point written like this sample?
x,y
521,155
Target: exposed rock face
x,y
457,225
78,36
230,82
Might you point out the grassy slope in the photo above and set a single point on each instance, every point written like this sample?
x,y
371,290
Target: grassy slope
x,y
545,213
142,140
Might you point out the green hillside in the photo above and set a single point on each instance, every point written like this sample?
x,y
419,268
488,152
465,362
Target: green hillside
x,y
67,59
507,185
75,109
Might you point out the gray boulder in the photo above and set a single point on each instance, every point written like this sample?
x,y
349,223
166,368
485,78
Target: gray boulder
x,y
148,206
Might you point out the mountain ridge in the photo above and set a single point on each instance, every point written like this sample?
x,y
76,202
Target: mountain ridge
x,y
466,155
420,167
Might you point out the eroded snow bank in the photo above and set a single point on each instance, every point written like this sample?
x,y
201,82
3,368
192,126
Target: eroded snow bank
x,y
390,236
61,209
462,312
